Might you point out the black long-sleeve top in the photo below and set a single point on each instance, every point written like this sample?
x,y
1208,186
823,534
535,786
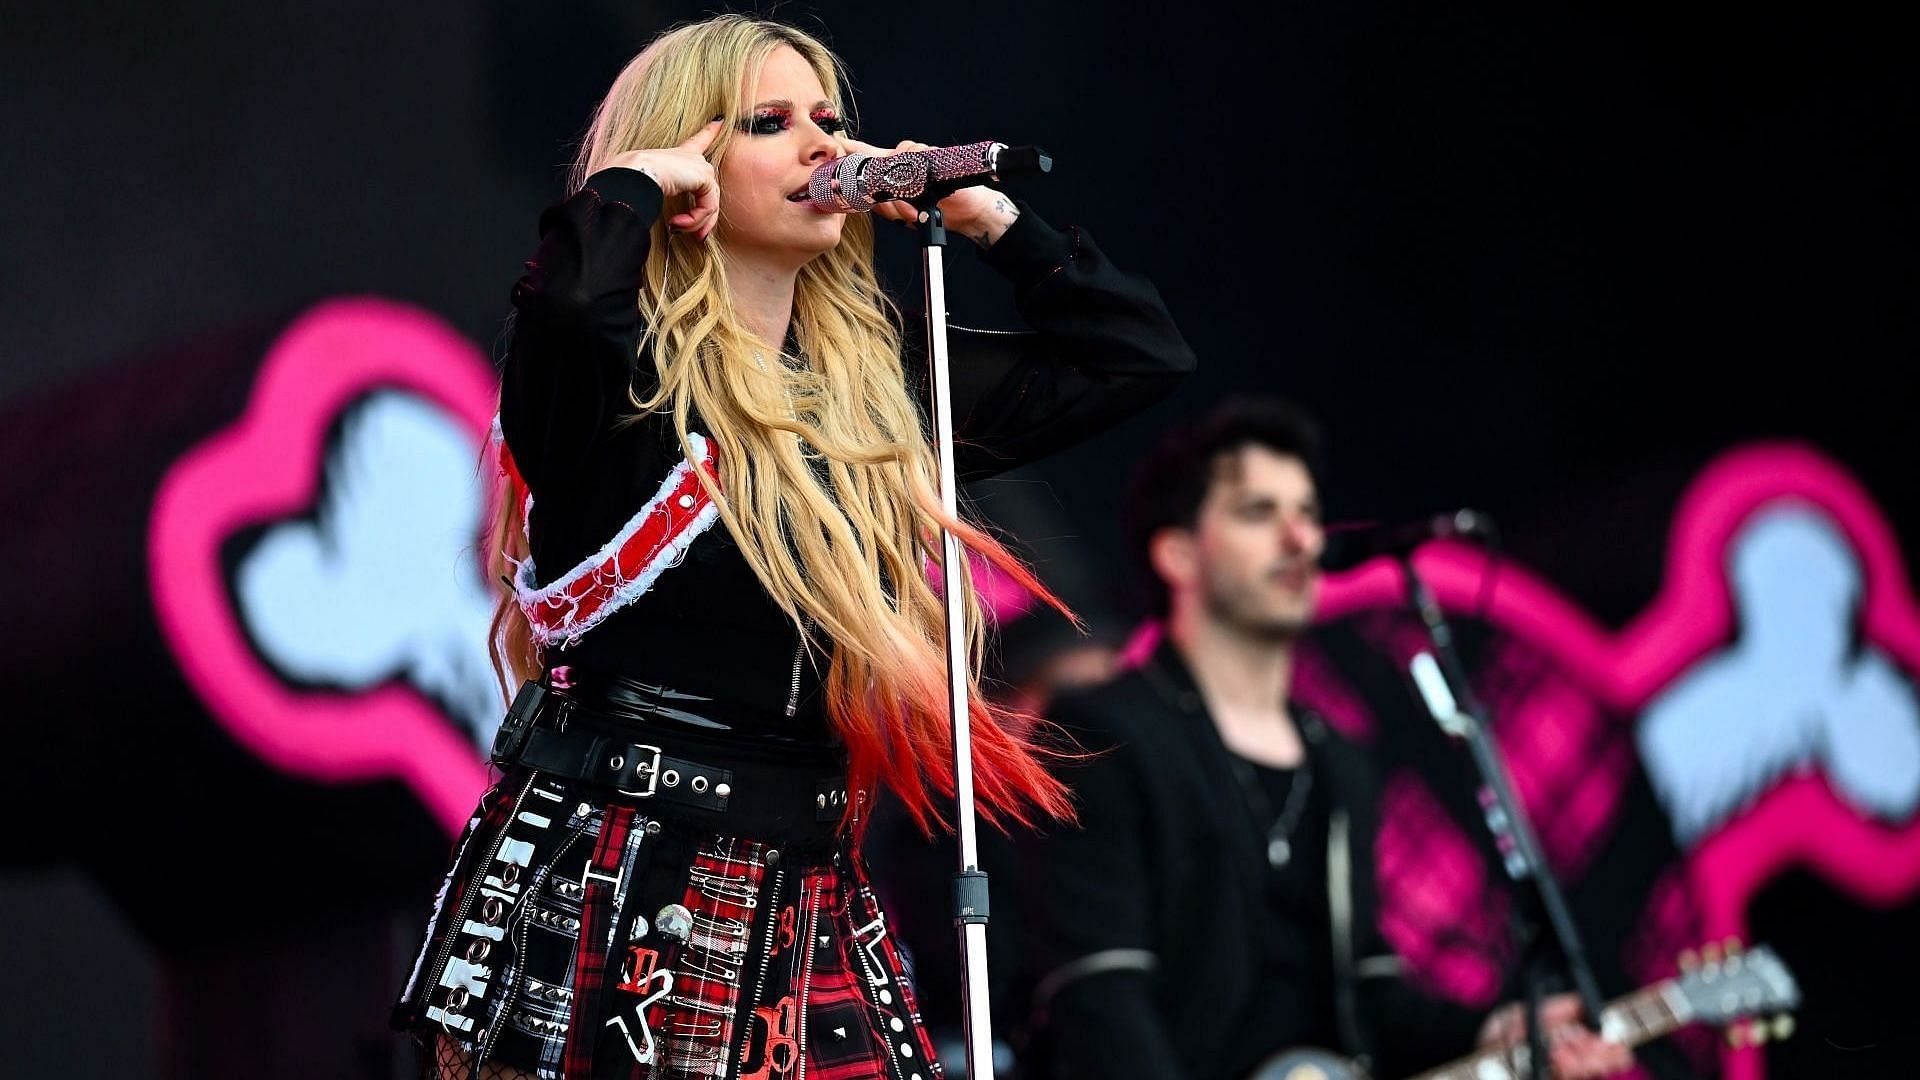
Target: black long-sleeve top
x,y
1160,949
1101,347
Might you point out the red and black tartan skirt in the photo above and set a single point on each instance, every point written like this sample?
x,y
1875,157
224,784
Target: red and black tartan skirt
x,y
581,933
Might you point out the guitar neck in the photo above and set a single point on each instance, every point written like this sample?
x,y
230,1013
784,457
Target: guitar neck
x,y
1637,1018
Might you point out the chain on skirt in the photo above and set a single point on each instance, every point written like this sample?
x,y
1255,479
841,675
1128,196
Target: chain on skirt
x,y
579,934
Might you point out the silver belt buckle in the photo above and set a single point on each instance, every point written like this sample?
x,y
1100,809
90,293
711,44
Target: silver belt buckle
x,y
647,770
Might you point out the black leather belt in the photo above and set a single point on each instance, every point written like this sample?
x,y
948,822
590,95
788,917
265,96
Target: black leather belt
x,y
636,770
549,731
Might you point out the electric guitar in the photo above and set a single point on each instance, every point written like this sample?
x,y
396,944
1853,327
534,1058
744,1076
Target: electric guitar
x,y
1720,987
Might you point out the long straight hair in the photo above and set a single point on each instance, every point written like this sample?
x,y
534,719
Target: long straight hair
x,y
828,483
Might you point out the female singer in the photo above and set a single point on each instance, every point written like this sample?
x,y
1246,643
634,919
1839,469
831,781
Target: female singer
x,y
718,510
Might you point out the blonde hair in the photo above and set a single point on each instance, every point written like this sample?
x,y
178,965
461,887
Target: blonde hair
x,y
830,486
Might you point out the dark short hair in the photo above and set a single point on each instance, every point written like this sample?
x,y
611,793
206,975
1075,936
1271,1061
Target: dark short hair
x,y
1171,482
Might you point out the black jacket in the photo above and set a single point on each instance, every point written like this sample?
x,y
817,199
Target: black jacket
x,y
1150,916
1102,346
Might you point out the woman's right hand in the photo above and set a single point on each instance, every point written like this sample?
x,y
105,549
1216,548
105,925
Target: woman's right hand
x,y
682,170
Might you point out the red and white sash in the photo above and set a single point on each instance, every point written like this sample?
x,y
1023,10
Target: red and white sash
x,y
651,542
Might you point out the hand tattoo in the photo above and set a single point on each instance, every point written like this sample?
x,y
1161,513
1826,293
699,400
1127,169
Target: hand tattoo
x,y
1006,212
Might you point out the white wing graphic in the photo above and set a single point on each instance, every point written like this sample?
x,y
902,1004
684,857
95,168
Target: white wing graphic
x,y
1794,693
384,582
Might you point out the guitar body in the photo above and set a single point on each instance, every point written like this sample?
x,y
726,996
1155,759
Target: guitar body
x,y
1306,1063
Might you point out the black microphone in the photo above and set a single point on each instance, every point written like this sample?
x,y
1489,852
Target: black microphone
x,y
1350,546
853,184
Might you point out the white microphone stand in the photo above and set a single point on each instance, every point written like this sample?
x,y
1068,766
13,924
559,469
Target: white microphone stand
x,y
970,882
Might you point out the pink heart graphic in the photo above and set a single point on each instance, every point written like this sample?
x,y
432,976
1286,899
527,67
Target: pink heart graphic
x,y
1799,821
268,466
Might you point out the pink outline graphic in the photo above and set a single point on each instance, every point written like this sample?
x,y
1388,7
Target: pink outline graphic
x,y
268,466
1799,822
1003,598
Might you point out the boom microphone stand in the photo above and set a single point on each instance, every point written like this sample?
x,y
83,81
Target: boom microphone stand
x,y
1448,695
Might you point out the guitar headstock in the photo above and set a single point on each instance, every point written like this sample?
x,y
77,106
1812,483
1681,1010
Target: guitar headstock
x,y
1724,984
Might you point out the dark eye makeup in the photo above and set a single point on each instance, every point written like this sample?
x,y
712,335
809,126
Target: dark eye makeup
x,y
775,121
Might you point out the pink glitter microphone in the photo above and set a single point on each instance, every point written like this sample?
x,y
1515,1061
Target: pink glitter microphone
x,y
855,183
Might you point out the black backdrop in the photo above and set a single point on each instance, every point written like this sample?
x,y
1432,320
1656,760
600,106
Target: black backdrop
x,y
1545,260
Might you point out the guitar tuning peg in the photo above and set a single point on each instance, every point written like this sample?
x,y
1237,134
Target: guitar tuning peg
x,y
1760,1034
1783,1027
1689,960
1737,1036
1710,952
1733,946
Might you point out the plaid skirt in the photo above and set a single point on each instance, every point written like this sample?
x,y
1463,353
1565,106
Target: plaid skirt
x,y
581,933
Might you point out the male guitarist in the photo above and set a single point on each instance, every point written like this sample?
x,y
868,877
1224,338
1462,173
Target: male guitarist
x,y
1216,904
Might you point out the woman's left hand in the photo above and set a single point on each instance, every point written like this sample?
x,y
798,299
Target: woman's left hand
x,y
980,214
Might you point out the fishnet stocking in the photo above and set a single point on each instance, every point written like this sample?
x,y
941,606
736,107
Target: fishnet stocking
x,y
453,1061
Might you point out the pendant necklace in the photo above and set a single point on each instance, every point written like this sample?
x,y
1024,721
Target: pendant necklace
x,y
1282,825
